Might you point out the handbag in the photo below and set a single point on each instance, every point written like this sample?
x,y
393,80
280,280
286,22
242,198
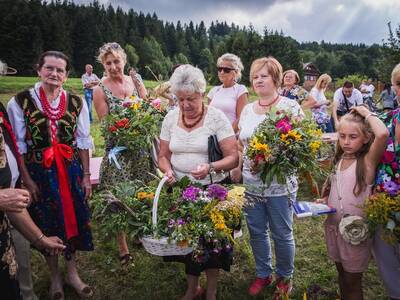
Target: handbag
x,y
214,151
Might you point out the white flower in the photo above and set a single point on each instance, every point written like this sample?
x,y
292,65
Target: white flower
x,y
353,229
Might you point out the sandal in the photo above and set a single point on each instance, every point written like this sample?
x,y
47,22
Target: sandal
x,y
86,292
125,259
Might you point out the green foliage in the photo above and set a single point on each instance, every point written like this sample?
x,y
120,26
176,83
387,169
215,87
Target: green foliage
x,y
356,79
132,56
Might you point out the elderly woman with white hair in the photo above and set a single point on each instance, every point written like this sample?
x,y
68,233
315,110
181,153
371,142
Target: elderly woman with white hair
x,y
184,152
230,97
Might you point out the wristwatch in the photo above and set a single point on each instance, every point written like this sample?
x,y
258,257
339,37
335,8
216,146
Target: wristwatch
x,y
211,170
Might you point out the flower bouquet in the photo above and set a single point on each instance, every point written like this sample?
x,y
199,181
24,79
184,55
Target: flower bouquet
x,y
135,124
281,147
383,210
124,208
198,219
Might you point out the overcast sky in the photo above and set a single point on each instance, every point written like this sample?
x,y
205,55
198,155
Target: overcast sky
x,y
341,21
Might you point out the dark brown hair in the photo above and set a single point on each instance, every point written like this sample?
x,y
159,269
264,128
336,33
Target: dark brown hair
x,y
56,54
355,117
348,84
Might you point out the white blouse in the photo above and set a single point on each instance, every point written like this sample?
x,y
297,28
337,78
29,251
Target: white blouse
x,y
16,115
190,149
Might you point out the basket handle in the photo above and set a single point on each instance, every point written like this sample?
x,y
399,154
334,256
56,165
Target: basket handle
x,y
155,201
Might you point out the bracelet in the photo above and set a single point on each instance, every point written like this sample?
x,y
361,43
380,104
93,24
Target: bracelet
x,y
87,173
369,115
38,239
211,169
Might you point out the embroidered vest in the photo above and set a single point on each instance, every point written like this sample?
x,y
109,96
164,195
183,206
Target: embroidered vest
x,y
38,132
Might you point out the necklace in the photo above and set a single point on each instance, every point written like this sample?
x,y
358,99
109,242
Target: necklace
x,y
348,156
50,112
197,121
269,104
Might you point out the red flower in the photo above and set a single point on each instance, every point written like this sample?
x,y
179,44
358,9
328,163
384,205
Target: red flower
x,y
388,157
112,129
259,158
122,123
283,125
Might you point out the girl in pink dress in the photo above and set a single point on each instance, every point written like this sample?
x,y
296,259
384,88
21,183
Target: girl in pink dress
x,y
362,140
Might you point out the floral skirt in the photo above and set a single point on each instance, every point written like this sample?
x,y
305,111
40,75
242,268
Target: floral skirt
x,y
134,166
47,212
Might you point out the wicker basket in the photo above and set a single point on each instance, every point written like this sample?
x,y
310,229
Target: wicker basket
x,y
161,247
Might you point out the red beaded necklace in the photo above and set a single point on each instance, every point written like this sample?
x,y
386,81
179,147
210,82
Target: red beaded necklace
x,y
53,114
195,122
269,104
50,112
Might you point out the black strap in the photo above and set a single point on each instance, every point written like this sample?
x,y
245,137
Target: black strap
x,y
346,102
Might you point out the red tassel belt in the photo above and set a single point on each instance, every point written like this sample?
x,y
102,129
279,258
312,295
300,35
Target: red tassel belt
x,y
59,152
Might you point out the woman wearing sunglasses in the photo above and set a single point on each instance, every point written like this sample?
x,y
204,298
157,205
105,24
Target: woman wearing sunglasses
x,y
230,97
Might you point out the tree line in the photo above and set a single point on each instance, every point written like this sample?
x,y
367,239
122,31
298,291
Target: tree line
x,y
29,27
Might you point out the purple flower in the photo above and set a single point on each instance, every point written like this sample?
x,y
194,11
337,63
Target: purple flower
x,y
171,223
217,191
180,221
391,187
191,193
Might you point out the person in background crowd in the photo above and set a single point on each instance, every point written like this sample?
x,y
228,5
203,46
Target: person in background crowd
x,y
271,210
292,90
52,130
387,256
367,90
110,94
230,97
138,81
184,152
388,98
344,99
89,81
320,109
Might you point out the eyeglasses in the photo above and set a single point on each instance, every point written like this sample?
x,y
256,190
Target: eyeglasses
x,y
51,69
108,46
225,69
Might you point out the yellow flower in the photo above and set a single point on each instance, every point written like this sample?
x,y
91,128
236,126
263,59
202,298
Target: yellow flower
x,y
135,106
262,147
141,195
314,146
293,134
253,142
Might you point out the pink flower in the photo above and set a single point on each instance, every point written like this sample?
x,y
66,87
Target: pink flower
x,y
395,166
283,125
156,103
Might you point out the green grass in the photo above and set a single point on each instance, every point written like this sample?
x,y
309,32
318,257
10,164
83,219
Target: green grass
x,y
150,278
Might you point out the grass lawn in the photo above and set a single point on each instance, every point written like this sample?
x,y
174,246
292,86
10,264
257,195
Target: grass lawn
x,y
150,278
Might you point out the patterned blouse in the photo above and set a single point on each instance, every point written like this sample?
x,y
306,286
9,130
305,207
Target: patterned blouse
x,y
295,93
388,171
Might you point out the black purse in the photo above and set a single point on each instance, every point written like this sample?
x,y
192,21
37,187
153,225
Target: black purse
x,y
214,151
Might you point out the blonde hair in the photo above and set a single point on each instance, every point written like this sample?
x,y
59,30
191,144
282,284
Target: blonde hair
x,y
273,66
235,62
395,74
296,75
323,78
111,48
366,130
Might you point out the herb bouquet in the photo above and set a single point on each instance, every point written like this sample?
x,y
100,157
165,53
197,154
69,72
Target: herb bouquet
x,y
135,124
383,210
281,147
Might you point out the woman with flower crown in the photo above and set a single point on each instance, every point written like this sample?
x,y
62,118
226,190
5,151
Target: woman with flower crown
x,y
113,91
52,131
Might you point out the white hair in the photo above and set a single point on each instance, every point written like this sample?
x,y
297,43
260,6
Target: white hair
x,y
235,62
188,79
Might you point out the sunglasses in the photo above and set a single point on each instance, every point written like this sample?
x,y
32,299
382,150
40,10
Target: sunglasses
x,y
225,69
